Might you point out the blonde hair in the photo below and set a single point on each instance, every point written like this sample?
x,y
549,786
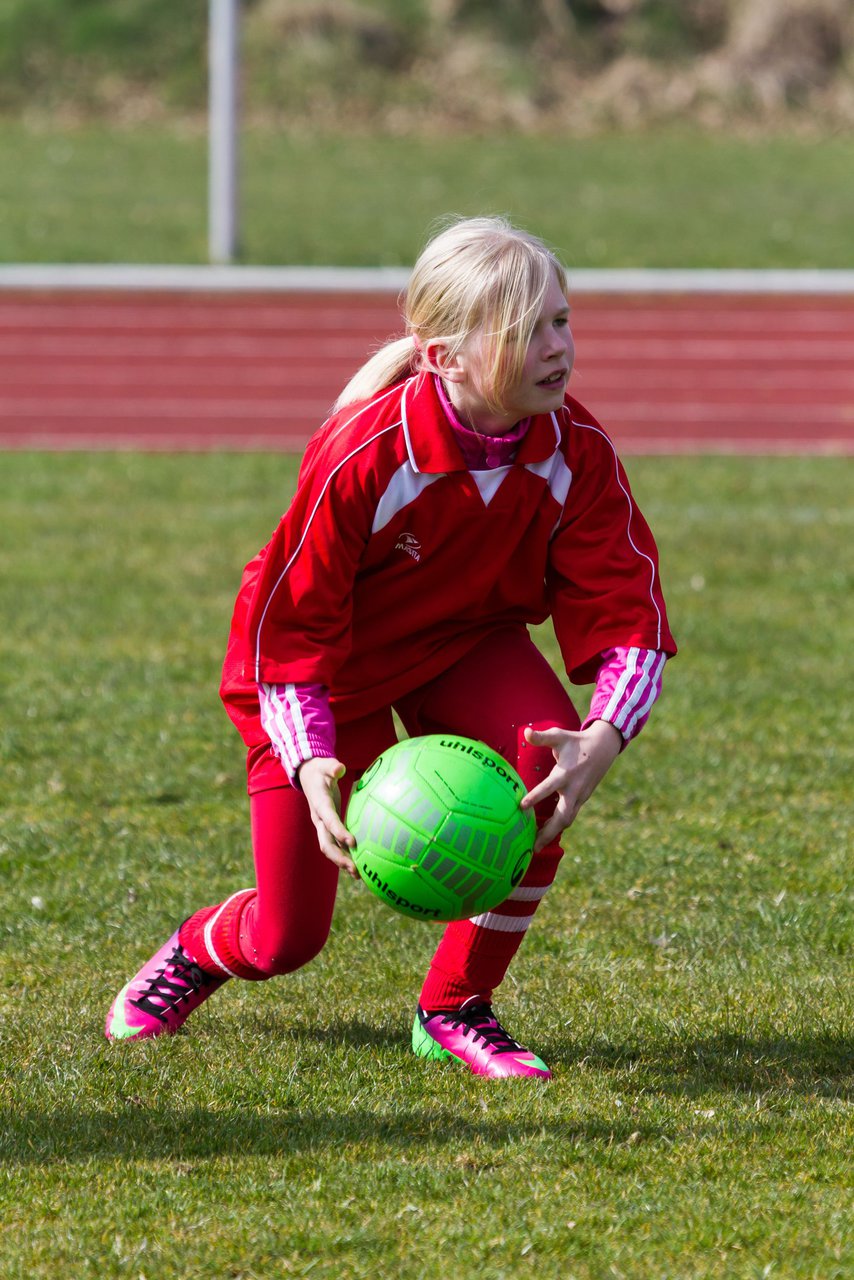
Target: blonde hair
x,y
478,276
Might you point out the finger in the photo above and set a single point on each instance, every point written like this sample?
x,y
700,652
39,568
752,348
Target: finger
x,y
348,866
343,863
536,796
333,824
556,781
325,812
566,811
331,828
556,824
548,737
330,848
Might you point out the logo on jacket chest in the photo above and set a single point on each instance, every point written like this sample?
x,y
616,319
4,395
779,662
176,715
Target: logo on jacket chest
x,y
409,543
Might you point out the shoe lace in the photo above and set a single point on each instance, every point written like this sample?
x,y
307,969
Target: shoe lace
x,y
179,979
483,1024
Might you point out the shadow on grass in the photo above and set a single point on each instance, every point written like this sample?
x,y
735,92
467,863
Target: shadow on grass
x,y
817,1067
143,1134
351,1032
821,1066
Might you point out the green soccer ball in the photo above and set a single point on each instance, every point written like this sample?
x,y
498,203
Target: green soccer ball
x,y
439,832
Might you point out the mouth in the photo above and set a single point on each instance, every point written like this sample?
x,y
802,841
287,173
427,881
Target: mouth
x,y
554,379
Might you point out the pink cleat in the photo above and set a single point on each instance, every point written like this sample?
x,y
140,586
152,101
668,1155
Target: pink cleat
x,y
162,995
474,1036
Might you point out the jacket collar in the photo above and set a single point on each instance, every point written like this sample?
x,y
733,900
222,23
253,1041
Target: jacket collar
x,y
430,440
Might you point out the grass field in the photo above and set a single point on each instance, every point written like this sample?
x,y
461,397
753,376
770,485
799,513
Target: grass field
x,y
689,979
672,199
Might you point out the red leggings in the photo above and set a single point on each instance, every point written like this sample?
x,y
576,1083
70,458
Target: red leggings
x,y
498,688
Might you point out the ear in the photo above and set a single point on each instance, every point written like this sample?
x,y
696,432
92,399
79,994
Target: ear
x,y
438,357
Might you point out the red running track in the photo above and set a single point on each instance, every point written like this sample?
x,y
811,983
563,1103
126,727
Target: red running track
x,y
188,371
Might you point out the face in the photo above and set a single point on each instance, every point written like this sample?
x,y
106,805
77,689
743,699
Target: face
x,y
545,373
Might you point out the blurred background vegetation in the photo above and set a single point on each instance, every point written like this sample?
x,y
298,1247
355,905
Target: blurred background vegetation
x,y
429,66
713,133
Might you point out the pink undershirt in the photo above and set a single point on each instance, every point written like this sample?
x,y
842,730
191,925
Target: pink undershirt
x,y
481,452
299,721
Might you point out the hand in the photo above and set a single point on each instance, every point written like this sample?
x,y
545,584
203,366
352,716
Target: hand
x,y
581,761
318,778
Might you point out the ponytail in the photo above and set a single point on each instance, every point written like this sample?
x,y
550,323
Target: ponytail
x,y
396,360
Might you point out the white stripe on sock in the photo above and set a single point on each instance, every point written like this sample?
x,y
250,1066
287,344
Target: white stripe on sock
x,y
502,924
208,934
529,893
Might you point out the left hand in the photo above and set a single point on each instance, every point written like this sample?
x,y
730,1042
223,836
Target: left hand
x,y
582,758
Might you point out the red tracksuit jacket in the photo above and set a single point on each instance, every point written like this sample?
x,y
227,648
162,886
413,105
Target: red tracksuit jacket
x,y
394,559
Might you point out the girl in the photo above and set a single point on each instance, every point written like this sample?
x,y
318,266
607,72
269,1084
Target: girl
x,y
455,496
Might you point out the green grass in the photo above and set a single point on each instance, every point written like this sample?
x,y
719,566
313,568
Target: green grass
x,y
688,979
674,199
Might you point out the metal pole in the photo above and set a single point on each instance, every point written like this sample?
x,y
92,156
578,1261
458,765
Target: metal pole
x,y
223,44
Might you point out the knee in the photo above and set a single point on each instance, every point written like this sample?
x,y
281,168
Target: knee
x,y
286,951
534,763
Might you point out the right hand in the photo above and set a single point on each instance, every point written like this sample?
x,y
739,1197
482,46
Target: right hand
x,y
318,778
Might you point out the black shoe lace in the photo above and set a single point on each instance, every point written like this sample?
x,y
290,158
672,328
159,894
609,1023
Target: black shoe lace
x,y
483,1024
184,980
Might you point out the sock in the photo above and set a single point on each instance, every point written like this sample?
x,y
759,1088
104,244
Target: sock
x,y
212,936
474,955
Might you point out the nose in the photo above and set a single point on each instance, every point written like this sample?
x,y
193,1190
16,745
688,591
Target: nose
x,y
560,344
